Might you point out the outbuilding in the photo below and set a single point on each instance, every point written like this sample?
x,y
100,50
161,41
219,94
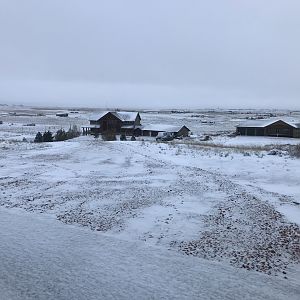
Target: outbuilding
x,y
153,130
270,127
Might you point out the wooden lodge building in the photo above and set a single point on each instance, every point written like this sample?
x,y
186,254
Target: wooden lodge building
x,y
114,121
274,127
128,123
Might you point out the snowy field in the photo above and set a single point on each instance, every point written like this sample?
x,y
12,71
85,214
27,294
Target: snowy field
x,y
200,214
44,259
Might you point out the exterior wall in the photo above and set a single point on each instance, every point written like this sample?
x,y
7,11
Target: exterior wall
x,y
127,123
133,130
296,133
279,129
184,131
137,132
145,133
241,130
127,131
152,133
95,131
251,131
109,122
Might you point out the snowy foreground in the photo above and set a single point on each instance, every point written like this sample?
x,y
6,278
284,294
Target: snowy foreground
x,y
44,259
161,221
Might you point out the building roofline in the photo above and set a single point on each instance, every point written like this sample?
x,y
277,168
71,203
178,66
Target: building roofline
x,y
267,122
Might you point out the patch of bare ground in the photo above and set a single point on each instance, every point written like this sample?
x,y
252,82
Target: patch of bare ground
x,y
292,150
247,232
109,209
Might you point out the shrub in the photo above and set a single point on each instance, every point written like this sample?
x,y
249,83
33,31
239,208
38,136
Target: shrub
x,y
123,137
61,135
73,132
38,138
47,136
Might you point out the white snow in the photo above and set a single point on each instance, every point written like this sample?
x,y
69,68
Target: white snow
x,y
143,204
255,141
44,259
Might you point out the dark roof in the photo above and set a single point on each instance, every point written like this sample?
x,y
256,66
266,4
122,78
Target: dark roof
x,y
163,128
267,122
121,115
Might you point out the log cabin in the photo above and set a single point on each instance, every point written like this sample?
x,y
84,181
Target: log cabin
x,y
114,121
129,123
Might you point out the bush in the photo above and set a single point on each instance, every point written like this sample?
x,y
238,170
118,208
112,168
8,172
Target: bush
x,y
38,138
61,135
47,136
123,137
133,138
73,132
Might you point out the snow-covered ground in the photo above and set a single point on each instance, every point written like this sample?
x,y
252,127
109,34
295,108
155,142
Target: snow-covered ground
x,y
44,259
185,210
255,141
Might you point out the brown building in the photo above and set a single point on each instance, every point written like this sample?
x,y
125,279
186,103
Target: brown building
x,y
129,123
117,122
275,128
154,130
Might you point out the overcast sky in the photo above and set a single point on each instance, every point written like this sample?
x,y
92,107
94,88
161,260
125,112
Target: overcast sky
x,y
151,53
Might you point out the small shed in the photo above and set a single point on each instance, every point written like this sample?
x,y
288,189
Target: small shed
x,y
153,130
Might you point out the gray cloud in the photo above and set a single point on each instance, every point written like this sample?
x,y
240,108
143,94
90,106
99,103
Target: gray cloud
x,y
151,53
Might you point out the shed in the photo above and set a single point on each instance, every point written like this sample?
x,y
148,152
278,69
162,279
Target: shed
x,y
153,130
270,127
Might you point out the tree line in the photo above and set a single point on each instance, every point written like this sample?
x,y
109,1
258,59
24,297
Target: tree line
x,y
60,135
